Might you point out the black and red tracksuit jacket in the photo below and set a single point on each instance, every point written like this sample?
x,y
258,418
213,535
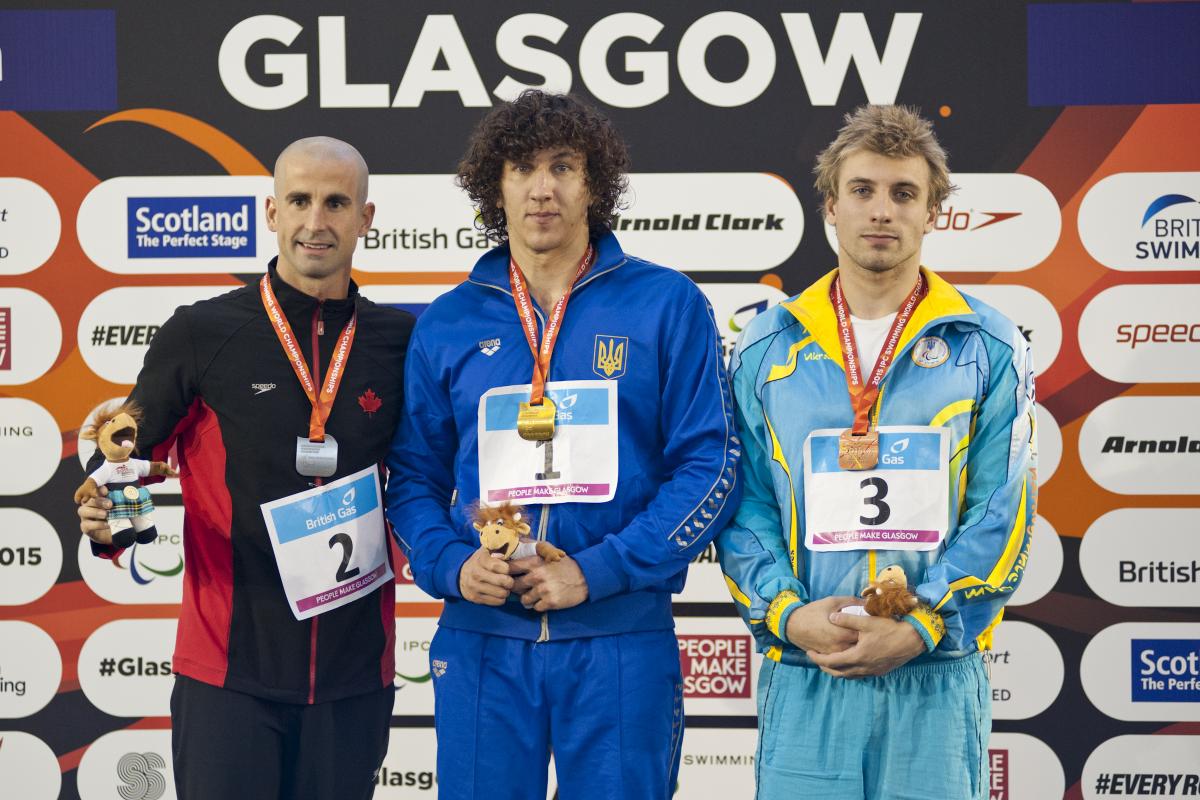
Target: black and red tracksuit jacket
x,y
216,382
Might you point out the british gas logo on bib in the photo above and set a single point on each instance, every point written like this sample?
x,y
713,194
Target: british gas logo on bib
x,y
909,450
325,510
191,227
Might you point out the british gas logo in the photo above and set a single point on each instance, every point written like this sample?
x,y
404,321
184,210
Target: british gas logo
x,y
610,356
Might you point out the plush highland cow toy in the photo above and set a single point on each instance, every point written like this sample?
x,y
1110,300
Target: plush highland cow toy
x,y
503,533
115,431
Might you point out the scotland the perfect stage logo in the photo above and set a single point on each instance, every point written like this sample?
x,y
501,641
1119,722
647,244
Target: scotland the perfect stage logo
x,y
191,227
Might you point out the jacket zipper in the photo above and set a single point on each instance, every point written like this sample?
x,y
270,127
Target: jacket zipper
x,y
318,328
543,523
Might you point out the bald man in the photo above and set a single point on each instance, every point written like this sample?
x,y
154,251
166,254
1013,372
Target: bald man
x,y
281,398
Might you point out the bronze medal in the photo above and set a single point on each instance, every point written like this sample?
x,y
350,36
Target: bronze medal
x,y
858,451
535,423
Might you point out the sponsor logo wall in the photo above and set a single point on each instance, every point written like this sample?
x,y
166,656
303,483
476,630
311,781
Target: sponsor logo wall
x,y
1022,767
1142,766
1080,224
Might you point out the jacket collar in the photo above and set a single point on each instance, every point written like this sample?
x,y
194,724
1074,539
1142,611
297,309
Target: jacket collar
x,y
492,267
299,306
814,310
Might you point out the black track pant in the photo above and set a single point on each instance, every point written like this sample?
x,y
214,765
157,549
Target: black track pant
x,y
227,745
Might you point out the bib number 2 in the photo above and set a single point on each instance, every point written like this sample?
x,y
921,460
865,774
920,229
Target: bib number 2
x,y
347,544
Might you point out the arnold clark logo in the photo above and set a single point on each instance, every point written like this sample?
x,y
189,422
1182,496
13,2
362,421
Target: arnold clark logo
x,y
188,224
1144,671
1143,333
995,222
1143,221
1143,445
732,221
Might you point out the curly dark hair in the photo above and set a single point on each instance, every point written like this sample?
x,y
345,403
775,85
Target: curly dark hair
x,y
535,121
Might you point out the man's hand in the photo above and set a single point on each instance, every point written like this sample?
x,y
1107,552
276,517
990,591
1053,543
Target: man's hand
x,y
809,627
548,587
484,579
93,518
883,644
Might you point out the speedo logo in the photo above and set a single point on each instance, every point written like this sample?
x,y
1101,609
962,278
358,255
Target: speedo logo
x,y
260,388
970,220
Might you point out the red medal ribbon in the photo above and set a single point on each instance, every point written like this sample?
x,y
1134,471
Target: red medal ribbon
x,y
541,355
322,402
863,394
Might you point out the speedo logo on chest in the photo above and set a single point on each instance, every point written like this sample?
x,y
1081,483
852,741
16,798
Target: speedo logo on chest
x,y
260,388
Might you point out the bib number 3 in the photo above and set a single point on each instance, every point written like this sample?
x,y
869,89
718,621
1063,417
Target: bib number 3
x,y
883,510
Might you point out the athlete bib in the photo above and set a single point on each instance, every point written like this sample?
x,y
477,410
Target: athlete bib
x,y
903,503
578,465
330,543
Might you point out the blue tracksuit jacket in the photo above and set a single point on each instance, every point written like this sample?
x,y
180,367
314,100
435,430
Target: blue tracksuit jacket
x,y
677,453
789,380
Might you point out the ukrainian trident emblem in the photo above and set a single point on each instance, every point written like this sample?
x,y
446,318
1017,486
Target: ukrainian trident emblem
x,y
610,356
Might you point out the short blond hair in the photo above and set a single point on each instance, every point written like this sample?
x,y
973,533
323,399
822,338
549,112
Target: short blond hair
x,y
892,131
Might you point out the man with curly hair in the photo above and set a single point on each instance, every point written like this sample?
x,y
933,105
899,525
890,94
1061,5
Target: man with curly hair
x,y
888,421
610,421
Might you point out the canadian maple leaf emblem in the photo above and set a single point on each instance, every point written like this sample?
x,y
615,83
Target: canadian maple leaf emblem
x,y
369,401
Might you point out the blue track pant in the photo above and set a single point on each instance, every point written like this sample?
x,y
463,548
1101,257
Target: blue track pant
x,y
610,708
919,732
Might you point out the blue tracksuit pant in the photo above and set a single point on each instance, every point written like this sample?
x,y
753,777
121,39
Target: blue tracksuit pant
x,y
919,732
609,708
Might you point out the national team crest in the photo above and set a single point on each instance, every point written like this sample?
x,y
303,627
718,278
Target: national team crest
x,y
611,355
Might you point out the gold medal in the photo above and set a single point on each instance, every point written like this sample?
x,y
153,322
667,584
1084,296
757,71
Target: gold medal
x,y
536,423
858,451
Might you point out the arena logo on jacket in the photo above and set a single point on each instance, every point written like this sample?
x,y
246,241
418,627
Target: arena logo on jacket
x,y
610,356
